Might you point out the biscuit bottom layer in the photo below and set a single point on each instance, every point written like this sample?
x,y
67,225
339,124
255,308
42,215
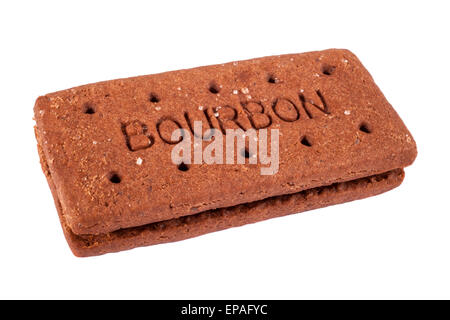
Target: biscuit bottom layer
x,y
224,218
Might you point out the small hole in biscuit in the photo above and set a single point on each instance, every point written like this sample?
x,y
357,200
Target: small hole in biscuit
x,y
114,177
214,88
328,69
306,142
154,98
364,127
271,79
245,153
183,167
89,109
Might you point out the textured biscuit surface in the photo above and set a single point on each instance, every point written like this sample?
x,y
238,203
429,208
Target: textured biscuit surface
x,y
91,135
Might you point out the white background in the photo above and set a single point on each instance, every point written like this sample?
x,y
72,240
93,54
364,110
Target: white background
x,y
395,245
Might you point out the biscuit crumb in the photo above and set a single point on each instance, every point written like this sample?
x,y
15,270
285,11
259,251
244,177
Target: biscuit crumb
x,y
200,108
216,114
249,96
179,88
316,75
94,142
41,112
139,161
157,108
235,91
347,112
244,90
301,90
344,60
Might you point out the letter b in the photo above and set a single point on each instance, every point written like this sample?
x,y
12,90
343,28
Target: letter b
x,y
137,136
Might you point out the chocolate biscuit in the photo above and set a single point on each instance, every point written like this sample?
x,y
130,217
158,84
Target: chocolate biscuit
x,y
106,148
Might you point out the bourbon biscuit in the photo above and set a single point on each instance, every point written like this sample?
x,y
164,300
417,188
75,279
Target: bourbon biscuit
x,y
106,148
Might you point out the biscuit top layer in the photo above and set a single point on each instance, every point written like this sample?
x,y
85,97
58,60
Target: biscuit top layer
x,y
108,145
